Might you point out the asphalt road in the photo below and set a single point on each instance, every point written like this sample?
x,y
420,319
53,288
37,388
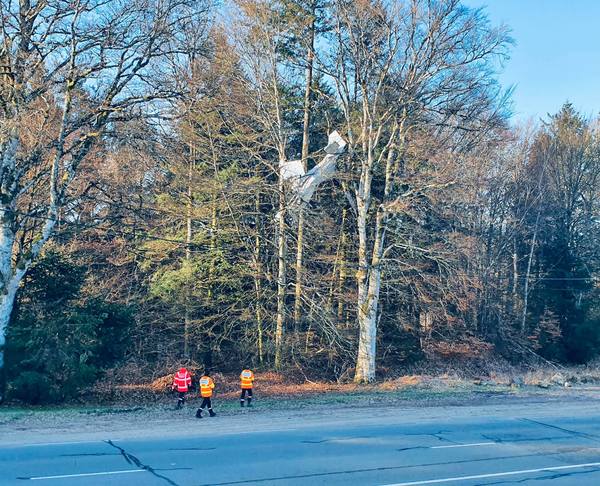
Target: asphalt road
x,y
560,446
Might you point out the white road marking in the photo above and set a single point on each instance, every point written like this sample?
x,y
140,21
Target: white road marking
x,y
44,444
63,476
476,444
496,475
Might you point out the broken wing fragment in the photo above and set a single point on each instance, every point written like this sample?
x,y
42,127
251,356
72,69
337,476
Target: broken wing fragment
x,y
303,185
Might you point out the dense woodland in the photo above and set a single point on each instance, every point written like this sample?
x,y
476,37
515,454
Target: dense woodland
x,y
146,221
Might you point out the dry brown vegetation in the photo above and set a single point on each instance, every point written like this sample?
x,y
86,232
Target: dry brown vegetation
x,y
445,376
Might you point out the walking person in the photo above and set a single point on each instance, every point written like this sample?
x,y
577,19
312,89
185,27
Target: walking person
x,y
207,386
246,381
182,382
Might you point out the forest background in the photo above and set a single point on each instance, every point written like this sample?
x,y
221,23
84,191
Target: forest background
x,y
146,221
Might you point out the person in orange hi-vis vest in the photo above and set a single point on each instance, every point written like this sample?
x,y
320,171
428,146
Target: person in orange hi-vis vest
x,y
207,386
182,382
247,380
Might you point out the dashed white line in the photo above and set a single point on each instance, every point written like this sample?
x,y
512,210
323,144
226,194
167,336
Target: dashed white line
x,y
453,446
496,475
104,473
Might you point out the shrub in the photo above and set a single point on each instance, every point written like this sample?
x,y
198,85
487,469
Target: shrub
x,y
31,387
60,340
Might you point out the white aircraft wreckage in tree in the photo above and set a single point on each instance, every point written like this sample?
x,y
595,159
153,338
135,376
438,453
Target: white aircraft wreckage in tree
x,y
302,185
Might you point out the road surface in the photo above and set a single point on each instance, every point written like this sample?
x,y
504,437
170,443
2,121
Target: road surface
x,y
545,443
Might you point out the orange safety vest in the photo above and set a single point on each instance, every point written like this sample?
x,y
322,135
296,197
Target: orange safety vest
x,y
206,387
182,380
247,377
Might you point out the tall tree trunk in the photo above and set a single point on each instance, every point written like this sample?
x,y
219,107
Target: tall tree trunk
x,y
515,262
6,306
11,272
513,281
281,277
188,254
281,233
339,269
7,296
11,277
305,146
365,360
299,271
342,268
369,273
367,304
258,278
213,248
526,285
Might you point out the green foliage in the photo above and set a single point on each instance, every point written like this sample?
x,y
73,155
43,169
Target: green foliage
x,y
59,340
32,387
583,340
561,314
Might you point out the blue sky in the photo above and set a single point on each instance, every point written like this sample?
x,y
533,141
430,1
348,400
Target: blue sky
x,y
556,57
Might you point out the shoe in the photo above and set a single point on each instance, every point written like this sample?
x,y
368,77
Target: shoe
x,y
198,413
212,414
242,404
249,402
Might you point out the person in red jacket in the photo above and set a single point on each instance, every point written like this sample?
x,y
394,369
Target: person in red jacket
x,y
182,382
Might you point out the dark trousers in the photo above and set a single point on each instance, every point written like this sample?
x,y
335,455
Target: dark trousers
x,y
180,399
249,392
205,403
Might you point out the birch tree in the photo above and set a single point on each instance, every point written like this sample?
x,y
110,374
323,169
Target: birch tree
x,y
70,71
397,68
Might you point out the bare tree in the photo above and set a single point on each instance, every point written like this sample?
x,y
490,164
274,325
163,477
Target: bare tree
x,y
401,67
262,32
70,70
307,108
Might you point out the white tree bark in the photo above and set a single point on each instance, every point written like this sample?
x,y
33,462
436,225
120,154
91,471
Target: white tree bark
x,y
281,277
368,282
367,321
7,301
369,286
8,291
13,272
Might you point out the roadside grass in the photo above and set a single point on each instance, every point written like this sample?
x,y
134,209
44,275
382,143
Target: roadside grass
x,y
368,397
275,391
15,413
111,405
359,397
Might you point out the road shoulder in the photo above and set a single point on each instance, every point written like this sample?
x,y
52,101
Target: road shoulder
x,y
35,426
